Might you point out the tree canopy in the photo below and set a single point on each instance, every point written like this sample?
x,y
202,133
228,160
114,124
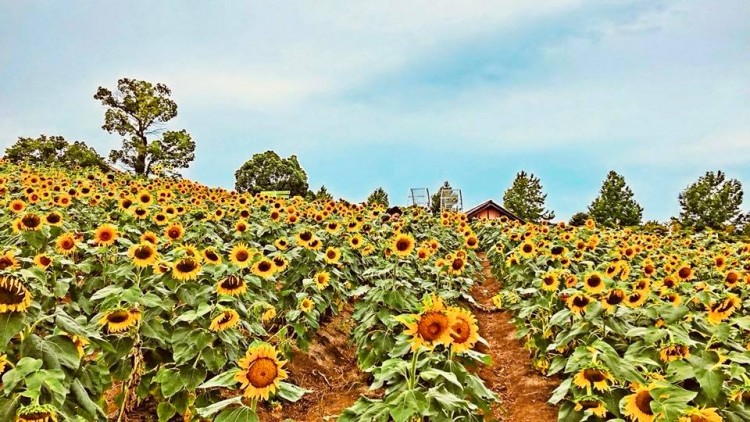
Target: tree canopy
x,y
54,151
137,112
713,201
615,206
578,219
267,171
525,198
378,196
322,194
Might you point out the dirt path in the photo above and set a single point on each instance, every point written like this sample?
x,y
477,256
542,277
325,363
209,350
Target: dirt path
x,y
523,391
329,369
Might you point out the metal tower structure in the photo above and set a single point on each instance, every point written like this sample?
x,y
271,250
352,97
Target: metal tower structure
x,y
451,200
420,197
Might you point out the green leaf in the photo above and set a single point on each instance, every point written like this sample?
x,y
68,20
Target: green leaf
x,y
225,379
241,414
291,392
671,401
432,373
560,392
165,411
11,323
84,401
170,381
407,404
192,377
207,411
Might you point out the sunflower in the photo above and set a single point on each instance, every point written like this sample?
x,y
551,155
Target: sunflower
x,y
174,231
264,268
240,226
578,302
211,256
314,245
456,266
685,272
14,296
612,299
105,235
240,255
636,299
471,242
731,278
306,305
229,318
550,281
281,244
596,378
280,263
186,269
464,330
304,237
232,285
42,260
719,311
142,254
4,363
120,319
526,249
333,255
16,206
37,413
706,414
674,352
321,279
638,405
149,237
31,222
53,218
431,327
268,314
593,405
594,283
355,241
65,244
402,245
261,371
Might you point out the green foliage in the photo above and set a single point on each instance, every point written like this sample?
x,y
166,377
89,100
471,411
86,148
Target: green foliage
x,y
615,205
268,171
578,219
525,198
137,110
713,201
322,194
53,151
378,196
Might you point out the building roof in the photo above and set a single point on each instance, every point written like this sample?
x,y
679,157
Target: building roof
x,y
490,204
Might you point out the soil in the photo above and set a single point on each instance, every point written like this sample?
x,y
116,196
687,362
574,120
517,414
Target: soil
x,y
522,389
329,369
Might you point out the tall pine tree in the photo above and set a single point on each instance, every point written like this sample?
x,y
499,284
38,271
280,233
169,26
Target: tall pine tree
x,y
525,198
615,206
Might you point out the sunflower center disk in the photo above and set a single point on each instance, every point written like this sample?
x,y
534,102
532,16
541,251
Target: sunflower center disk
x,y
262,373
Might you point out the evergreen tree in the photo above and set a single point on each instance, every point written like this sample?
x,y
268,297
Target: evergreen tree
x,y
615,206
578,219
713,201
378,196
322,194
525,198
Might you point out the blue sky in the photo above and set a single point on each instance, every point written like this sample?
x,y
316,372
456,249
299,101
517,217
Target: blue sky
x,y
407,93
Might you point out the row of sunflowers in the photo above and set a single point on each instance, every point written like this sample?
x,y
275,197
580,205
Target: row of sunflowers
x,y
116,290
638,326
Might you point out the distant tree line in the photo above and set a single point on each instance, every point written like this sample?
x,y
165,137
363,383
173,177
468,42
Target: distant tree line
x,y
138,111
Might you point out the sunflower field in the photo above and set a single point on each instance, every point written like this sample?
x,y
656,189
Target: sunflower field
x,y
117,290
638,326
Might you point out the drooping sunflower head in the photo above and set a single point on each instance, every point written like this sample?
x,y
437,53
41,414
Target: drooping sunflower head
x,y
638,405
261,371
142,254
402,244
723,309
701,414
37,413
186,269
232,285
596,378
264,268
120,319
211,256
464,330
674,352
14,296
229,318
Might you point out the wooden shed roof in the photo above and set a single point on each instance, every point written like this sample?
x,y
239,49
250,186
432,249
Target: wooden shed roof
x,y
490,204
